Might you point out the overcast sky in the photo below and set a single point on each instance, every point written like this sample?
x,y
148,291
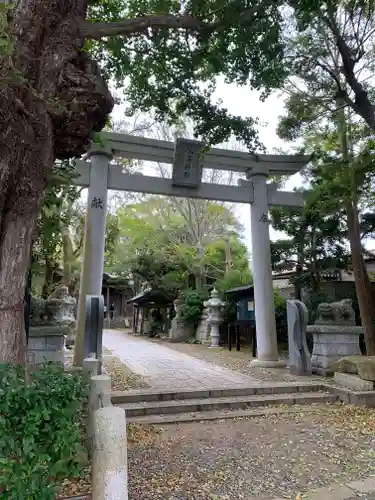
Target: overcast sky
x,y
244,102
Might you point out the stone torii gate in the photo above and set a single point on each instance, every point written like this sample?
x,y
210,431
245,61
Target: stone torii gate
x,y
98,173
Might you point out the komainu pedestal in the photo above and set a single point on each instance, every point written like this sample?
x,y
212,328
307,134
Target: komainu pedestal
x,y
335,335
51,322
299,355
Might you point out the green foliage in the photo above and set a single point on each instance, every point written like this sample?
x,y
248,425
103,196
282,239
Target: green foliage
x,y
316,243
192,307
236,277
173,71
281,317
58,199
6,44
329,53
174,245
41,431
56,216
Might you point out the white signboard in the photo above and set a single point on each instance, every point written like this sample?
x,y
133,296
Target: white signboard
x,y
187,163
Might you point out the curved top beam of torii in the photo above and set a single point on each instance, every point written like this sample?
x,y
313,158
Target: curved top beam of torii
x,y
142,148
185,155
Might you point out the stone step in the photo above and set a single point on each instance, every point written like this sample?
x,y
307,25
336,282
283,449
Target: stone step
x,y
227,413
220,403
144,396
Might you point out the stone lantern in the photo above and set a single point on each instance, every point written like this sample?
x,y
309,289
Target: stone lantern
x,y
52,320
65,312
215,306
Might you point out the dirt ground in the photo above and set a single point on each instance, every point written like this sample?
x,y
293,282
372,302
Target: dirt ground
x,y
122,378
258,458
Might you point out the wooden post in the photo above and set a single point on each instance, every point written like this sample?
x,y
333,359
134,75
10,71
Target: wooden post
x,y
134,314
136,320
254,341
122,312
142,320
238,343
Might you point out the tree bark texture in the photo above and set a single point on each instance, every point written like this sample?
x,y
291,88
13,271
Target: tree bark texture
x,y
52,100
362,281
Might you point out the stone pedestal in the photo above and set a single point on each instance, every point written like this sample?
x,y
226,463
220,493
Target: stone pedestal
x,y
47,343
332,342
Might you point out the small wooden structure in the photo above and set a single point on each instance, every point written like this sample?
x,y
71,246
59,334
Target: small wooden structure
x,y
244,325
156,300
117,291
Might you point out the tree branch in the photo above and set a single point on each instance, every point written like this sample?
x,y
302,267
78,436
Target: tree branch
x,y
362,104
124,27
127,27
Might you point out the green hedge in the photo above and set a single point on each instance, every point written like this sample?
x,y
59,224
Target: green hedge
x,y
41,430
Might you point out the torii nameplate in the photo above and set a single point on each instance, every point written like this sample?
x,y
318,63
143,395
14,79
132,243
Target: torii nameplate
x,y
187,163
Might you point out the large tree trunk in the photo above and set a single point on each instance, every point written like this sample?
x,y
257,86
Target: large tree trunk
x,y
22,197
362,281
52,99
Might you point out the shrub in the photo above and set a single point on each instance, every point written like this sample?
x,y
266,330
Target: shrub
x,y
41,430
192,306
281,317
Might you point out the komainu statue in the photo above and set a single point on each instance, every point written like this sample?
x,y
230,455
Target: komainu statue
x,y
341,313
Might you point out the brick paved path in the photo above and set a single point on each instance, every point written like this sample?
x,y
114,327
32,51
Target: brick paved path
x,y
169,369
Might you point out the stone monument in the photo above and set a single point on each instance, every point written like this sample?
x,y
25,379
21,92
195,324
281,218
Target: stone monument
x,y
203,328
299,355
335,335
179,331
215,306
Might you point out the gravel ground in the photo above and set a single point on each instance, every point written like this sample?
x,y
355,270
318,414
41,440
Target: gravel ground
x,y
258,458
368,496
122,378
237,361
363,496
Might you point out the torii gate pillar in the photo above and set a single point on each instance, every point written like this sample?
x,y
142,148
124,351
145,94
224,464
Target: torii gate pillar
x,y
267,353
94,242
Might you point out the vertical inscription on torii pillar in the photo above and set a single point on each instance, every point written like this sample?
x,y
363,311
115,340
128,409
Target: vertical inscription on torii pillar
x,y
187,163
